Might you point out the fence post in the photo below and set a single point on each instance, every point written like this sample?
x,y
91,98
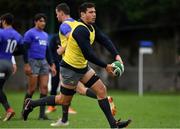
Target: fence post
x,y
145,48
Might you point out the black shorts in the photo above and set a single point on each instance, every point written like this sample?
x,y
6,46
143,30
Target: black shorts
x,y
5,68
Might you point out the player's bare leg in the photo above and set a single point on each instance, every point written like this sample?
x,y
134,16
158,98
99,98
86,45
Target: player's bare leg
x,y
43,81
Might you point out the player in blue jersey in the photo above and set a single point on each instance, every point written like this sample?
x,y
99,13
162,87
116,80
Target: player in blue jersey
x,y
9,40
37,60
13,58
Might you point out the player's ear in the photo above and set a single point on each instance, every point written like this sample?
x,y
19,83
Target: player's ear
x,y
82,14
3,22
61,13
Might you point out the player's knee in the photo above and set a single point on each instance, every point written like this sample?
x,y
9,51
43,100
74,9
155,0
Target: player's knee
x,y
58,99
81,90
102,92
67,92
61,100
44,90
31,91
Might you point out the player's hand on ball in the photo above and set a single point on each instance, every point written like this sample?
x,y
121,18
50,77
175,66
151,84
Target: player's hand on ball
x,y
118,68
118,58
110,69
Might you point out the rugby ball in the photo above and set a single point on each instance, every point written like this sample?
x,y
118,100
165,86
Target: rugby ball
x,y
118,68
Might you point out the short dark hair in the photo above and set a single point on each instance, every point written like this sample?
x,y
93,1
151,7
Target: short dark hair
x,y
38,16
63,7
83,7
8,17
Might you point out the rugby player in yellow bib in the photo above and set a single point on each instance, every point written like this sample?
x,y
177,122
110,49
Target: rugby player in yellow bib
x,y
75,68
79,52
68,23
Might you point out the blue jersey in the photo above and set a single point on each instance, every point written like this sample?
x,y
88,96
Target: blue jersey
x,y
38,42
9,39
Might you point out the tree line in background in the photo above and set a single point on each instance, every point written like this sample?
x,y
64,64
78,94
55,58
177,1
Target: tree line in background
x,y
111,14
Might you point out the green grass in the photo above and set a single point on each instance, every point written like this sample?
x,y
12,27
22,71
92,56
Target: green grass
x,y
149,111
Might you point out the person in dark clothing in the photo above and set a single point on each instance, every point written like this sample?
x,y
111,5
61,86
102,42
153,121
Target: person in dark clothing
x,y
54,42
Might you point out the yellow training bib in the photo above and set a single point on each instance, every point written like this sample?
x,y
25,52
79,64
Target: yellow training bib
x,y
73,54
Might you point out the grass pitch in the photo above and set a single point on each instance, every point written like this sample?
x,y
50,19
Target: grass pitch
x,y
149,111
